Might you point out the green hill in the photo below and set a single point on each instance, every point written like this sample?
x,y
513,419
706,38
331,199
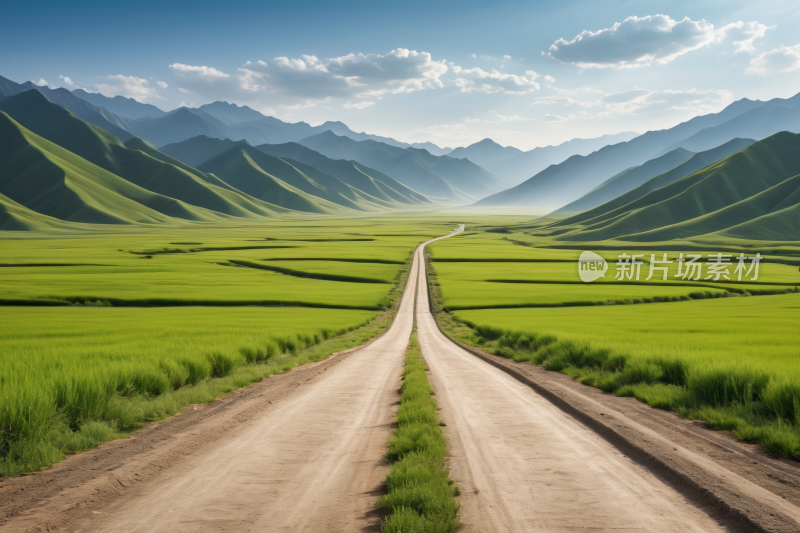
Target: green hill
x,y
668,168
50,180
366,179
297,186
348,177
143,165
458,180
16,217
99,116
753,193
558,185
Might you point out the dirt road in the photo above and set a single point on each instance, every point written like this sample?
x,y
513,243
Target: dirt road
x,y
523,465
312,463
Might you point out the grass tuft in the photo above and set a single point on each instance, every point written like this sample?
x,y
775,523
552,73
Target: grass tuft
x,y
421,494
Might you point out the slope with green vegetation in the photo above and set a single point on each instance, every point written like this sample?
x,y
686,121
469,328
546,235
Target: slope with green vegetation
x,y
561,184
54,182
290,183
199,149
100,148
368,180
625,181
634,184
94,114
457,180
758,182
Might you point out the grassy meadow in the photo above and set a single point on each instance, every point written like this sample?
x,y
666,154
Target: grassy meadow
x,y
105,331
724,351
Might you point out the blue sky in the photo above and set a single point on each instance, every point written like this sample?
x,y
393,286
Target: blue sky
x,y
523,73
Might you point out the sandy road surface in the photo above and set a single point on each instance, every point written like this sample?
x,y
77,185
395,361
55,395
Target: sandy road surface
x,y
524,465
313,463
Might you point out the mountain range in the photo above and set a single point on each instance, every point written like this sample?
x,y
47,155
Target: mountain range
x,y
669,167
69,161
566,182
58,166
125,116
457,180
514,166
752,194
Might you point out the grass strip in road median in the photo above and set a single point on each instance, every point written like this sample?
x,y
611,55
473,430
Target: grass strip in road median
x,y
421,494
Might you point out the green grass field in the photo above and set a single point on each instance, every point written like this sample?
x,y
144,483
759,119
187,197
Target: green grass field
x,y
134,337
73,377
363,257
524,276
729,361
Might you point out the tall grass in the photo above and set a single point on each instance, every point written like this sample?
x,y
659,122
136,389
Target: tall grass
x,y
731,362
421,494
756,396
71,378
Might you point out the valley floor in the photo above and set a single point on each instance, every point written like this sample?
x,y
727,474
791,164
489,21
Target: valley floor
x,y
303,451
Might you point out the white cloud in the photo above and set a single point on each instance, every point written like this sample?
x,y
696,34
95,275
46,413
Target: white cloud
x,y
129,86
184,90
41,82
507,57
477,80
299,83
783,59
162,84
353,75
208,73
65,79
637,42
550,79
742,34
360,105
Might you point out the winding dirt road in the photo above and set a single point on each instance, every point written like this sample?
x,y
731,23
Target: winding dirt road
x,y
304,451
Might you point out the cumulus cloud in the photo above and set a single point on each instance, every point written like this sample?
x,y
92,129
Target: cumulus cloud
x,y
549,79
743,34
41,82
162,84
637,42
359,105
477,80
129,86
208,73
296,83
507,57
783,59
353,75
